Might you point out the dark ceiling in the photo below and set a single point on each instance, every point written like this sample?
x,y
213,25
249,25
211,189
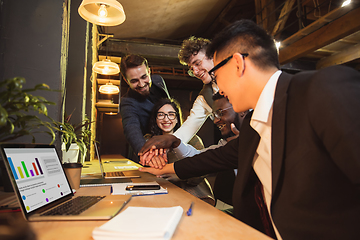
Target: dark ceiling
x,y
322,33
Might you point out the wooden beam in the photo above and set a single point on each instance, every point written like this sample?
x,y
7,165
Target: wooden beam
x,y
265,13
283,17
121,48
329,33
269,14
258,11
105,36
331,16
221,19
347,55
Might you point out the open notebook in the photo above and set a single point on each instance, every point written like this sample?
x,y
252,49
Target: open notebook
x,y
42,188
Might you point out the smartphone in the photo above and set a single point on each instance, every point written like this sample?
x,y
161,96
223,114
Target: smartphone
x,y
142,187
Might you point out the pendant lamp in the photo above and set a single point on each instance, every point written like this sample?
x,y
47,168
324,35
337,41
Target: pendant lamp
x,y
102,12
109,88
106,67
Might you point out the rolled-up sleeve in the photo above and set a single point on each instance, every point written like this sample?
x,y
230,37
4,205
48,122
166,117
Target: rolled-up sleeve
x,y
198,114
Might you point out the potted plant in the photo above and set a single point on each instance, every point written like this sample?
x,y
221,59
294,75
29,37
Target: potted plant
x,y
20,110
75,134
78,135
20,113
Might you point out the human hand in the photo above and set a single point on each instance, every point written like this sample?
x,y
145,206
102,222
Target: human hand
x,y
158,161
167,169
161,141
235,131
147,157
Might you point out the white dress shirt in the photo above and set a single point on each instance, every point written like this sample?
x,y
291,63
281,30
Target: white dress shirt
x,y
186,150
198,114
261,122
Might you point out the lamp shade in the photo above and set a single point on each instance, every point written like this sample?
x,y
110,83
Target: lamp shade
x,y
102,12
106,67
109,88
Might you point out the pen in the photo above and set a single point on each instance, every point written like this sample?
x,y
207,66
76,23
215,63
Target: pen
x,y
189,212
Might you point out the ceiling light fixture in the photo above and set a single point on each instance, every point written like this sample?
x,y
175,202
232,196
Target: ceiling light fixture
x,y
345,3
102,12
109,88
106,67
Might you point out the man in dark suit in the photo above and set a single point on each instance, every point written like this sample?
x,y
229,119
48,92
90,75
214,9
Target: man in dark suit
x,y
299,147
136,105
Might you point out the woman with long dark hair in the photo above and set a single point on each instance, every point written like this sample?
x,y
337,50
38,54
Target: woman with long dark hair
x,y
166,118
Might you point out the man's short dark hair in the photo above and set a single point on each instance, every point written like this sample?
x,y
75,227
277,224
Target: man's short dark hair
x,y
192,46
245,36
131,61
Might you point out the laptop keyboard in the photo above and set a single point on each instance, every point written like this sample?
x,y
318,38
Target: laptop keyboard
x,y
75,206
115,174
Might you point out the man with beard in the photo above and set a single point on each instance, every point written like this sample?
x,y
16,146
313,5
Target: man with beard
x,y
136,105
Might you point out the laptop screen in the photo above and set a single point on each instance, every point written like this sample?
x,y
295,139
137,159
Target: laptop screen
x,y
38,175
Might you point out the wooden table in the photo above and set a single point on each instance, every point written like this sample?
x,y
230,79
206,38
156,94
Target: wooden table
x,y
207,222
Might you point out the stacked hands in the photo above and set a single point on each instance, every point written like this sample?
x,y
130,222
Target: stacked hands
x,y
154,153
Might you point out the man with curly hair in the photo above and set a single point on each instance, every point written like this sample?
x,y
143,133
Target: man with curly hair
x,y
192,54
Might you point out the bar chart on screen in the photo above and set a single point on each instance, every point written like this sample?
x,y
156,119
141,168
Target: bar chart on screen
x,y
23,172
38,175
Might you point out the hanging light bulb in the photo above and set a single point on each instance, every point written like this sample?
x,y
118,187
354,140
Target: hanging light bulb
x,y
109,88
102,12
106,67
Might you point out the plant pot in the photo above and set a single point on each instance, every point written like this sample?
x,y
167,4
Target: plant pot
x,y
72,155
73,174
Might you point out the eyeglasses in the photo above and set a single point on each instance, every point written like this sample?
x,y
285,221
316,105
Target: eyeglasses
x,y
222,63
170,115
219,113
197,64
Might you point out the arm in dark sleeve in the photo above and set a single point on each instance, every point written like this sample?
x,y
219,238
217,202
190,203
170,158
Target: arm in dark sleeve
x,y
211,161
160,83
335,115
131,125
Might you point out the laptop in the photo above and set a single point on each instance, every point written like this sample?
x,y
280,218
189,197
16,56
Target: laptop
x,y
42,188
111,175
106,178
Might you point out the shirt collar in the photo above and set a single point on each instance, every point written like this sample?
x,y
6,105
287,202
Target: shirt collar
x,y
266,99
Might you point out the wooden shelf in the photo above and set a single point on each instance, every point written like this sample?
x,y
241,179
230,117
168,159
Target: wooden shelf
x,y
107,107
101,81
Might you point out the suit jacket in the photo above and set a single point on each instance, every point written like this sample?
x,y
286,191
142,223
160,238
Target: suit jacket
x,y
135,111
315,158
